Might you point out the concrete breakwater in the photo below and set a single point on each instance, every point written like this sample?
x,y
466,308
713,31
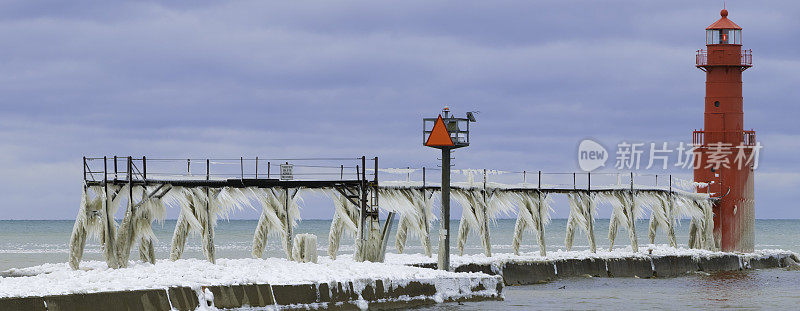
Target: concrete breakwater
x,y
474,278
526,272
341,295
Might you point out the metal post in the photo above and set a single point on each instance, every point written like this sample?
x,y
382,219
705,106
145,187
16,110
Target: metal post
x,y
632,221
631,182
115,167
188,167
130,182
423,177
84,170
241,165
256,167
144,168
444,233
268,168
341,172
524,177
589,181
540,181
363,183
124,258
574,183
485,232
540,233
671,218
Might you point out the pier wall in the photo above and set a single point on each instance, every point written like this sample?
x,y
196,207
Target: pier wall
x,y
535,272
341,295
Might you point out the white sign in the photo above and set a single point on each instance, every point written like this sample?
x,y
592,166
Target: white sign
x,y
591,155
287,171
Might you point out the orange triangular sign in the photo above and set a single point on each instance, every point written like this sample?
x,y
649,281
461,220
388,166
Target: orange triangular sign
x,y
439,135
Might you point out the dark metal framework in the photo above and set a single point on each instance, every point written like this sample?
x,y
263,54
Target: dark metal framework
x,y
353,182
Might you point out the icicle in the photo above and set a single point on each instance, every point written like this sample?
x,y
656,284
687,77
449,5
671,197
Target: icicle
x,y
474,215
110,226
625,211
88,223
188,219
209,214
151,209
660,215
415,210
277,218
268,222
127,232
581,215
698,207
533,215
345,219
370,250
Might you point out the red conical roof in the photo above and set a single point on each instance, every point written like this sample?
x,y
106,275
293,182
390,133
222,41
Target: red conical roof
x,y
724,22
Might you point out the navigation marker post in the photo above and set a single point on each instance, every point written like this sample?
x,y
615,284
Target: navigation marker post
x,y
446,133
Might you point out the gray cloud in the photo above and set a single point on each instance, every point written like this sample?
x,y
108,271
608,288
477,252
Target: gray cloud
x,y
346,78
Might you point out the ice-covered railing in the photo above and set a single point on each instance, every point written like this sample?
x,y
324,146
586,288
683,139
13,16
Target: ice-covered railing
x,y
486,194
96,169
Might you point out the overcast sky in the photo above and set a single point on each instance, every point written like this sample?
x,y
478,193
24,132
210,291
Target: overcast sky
x,y
351,78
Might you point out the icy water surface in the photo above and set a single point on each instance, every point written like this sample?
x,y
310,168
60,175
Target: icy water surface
x,y
771,289
25,243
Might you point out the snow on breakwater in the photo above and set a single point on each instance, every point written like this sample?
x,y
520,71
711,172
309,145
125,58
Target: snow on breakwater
x,y
95,276
646,252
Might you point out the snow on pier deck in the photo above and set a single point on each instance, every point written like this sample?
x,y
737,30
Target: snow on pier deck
x,y
185,284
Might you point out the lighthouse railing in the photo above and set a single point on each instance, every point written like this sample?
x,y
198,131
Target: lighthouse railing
x,y
746,58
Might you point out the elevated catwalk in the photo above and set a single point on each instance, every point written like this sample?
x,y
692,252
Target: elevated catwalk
x,y
205,189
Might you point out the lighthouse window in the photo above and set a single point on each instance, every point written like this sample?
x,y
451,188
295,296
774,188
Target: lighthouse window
x,y
723,36
716,104
712,36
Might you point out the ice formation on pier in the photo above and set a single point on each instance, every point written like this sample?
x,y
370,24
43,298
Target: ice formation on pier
x,y
479,207
411,202
415,210
199,210
533,214
345,220
581,215
304,248
137,224
280,214
625,211
89,223
662,214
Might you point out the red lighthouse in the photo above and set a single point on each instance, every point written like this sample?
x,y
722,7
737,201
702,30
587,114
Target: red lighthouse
x,y
723,150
